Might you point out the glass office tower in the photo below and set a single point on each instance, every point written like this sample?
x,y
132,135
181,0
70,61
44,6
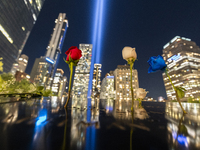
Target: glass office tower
x,y
16,22
81,77
182,57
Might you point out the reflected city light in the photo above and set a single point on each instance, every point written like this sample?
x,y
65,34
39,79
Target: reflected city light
x,y
181,139
40,120
42,117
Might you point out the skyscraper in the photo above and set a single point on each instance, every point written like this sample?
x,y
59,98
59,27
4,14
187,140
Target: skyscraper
x,y
82,75
122,82
57,39
182,57
16,22
51,58
57,80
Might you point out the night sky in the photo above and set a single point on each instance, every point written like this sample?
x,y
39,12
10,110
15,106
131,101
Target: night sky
x,y
146,25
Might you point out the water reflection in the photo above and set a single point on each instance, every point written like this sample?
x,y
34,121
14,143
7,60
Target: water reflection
x,y
33,115
84,124
183,130
44,124
122,109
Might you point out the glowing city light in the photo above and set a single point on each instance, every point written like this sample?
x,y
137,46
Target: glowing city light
x,y
110,77
181,138
42,117
174,57
50,61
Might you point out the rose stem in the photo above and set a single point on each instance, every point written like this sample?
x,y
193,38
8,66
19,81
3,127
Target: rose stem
x,y
131,66
70,82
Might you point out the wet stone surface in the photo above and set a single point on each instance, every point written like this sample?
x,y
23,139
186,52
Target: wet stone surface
x,y
43,124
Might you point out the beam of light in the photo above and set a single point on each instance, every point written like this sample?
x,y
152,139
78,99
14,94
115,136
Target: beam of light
x,y
93,52
98,48
96,41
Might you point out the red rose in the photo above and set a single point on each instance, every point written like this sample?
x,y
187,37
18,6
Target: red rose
x,y
74,53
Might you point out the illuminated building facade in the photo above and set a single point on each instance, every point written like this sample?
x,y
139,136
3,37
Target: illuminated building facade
x,y
50,61
40,71
16,22
182,57
107,88
58,82
96,82
20,65
122,82
82,75
62,88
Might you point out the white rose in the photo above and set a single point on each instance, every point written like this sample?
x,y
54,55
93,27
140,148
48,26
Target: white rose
x,y
129,52
141,93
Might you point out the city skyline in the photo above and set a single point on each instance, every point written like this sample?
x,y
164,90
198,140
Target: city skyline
x,y
147,26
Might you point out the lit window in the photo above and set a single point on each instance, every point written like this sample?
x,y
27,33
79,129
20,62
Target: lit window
x,y
23,28
34,17
25,61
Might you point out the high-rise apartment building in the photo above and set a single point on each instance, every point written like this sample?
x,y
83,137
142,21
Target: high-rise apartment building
x,y
122,82
16,22
107,88
52,54
82,75
96,82
20,65
182,57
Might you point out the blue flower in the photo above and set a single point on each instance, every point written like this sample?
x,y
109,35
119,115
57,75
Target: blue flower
x,y
156,63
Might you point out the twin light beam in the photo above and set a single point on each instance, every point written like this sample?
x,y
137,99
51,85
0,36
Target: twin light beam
x,y
96,41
